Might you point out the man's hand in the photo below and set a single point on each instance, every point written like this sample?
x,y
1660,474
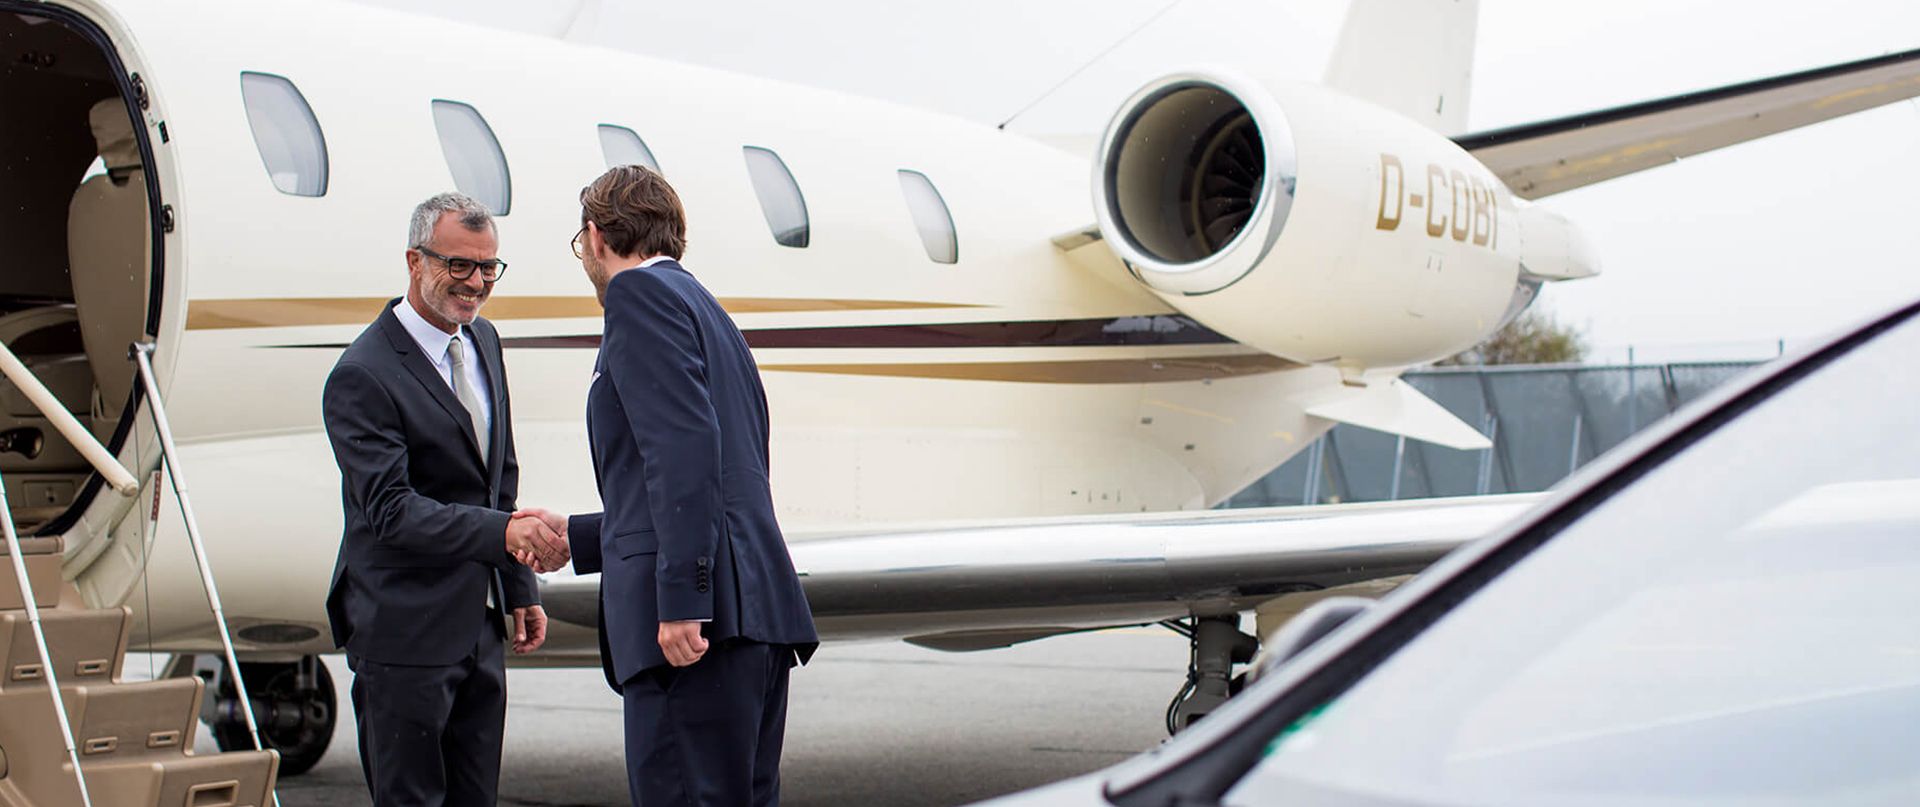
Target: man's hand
x,y
529,629
532,542
682,642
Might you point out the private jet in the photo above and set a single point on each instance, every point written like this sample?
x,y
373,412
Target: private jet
x,y
1007,384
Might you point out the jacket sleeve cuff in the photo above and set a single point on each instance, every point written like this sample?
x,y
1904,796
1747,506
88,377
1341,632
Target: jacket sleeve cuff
x,y
583,540
683,602
491,548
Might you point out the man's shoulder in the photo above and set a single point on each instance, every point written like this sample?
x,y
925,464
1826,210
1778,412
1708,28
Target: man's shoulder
x,y
668,279
368,352
370,346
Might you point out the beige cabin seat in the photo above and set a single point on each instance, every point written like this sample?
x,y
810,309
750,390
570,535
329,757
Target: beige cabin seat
x,y
111,258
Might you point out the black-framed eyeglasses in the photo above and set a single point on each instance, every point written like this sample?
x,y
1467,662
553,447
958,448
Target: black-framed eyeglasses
x,y
463,268
580,242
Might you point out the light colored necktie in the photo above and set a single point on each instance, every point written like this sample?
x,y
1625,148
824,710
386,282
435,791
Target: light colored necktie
x,y
469,397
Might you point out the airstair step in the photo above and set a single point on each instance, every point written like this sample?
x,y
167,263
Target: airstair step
x,y
235,779
110,721
88,647
134,719
43,573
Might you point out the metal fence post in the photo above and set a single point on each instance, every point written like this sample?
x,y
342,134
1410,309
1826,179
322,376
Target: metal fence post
x,y
1399,462
1633,395
1573,450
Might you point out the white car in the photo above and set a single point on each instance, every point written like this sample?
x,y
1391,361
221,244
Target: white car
x,y
1724,611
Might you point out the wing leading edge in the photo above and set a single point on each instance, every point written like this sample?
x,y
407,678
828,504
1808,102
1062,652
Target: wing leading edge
x,y
972,587
1549,157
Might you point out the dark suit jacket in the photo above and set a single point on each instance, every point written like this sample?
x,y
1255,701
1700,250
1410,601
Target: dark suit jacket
x,y
677,420
426,515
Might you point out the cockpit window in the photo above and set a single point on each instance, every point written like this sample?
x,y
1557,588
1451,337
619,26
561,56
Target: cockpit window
x,y
931,216
780,199
474,157
286,133
622,146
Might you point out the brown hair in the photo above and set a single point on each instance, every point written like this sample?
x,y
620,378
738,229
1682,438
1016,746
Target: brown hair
x,y
637,212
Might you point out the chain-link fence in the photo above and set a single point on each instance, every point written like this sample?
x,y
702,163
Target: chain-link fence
x,y
1545,422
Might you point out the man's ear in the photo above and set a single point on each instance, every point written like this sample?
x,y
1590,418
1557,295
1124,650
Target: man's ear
x,y
596,240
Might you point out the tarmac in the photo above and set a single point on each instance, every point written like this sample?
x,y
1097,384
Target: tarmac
x,y
869,724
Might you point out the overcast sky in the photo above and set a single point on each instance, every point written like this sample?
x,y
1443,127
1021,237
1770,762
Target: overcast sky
x,y
1721,254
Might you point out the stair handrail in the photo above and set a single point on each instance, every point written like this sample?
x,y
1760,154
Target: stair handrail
x,y
40,640
141,352
69,427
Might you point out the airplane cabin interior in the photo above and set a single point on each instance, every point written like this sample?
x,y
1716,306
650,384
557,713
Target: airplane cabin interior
x,y
75,289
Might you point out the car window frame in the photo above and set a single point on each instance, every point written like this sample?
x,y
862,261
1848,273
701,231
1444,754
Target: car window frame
x,y
1202,764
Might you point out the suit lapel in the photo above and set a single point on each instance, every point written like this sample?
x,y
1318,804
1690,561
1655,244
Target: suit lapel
x,y
422,369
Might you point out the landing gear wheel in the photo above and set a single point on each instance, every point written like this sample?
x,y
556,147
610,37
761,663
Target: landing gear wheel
x,y
294,704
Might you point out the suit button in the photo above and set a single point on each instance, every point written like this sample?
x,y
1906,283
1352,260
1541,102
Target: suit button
x,y
702,588
702,563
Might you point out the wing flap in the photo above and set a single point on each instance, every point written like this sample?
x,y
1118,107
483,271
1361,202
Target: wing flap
x,y
1549,157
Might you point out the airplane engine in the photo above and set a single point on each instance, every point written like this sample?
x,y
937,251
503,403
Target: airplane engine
x,y
1309,224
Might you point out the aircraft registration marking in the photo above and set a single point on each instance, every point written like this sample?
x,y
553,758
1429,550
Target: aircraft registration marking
x,y
1463,207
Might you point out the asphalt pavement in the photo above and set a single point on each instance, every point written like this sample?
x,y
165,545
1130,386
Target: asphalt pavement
x,y
870,724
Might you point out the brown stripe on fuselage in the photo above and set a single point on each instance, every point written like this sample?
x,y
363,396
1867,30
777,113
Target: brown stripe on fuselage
x,y
1138,331
286,312
1093,371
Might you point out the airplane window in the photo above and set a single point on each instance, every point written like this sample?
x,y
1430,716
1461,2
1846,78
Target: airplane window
x,y
931,216
780,198
287,134
623,147
474,157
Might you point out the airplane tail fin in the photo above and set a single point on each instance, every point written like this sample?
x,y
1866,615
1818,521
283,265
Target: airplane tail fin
x,y
1414,57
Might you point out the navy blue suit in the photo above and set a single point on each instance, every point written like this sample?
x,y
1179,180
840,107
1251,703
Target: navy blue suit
x,y
423,547
677,420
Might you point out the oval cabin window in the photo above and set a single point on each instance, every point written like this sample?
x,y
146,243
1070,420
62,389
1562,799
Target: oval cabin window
x,y
286,133
931,216
780,199
622,146
474,157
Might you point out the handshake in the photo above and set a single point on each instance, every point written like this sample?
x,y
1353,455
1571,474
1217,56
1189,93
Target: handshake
x,y
538,539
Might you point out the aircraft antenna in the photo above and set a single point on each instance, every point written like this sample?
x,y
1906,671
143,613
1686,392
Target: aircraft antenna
x,y
1090,62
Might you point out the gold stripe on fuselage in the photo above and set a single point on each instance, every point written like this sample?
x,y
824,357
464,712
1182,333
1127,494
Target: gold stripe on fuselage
x,y
286,312
1071,371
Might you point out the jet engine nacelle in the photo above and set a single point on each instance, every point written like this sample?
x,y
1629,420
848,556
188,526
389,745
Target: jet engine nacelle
x,y
1306,223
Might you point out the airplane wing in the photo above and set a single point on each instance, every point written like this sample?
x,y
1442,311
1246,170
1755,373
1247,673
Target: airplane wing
x,y
979,586
1545,158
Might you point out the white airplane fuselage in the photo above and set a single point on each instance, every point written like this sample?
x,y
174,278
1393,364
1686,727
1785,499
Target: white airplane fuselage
x,y
1010,384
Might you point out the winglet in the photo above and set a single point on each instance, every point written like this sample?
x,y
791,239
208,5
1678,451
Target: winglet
x,y
1395,407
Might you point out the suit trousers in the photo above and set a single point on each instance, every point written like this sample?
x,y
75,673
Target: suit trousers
x,y
709,733
430,736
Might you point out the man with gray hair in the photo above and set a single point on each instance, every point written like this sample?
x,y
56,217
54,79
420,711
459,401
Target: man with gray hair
x,y
427,589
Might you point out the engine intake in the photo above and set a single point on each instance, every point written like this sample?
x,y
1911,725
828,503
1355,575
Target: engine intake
x,y
1195,181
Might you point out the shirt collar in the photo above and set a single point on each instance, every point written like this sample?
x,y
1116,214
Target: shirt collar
x,y
653,260
432,341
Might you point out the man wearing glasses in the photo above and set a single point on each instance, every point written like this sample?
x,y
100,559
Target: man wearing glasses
x,y
426,590
702,613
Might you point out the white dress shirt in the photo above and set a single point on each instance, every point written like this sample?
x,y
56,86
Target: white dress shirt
x,y
433,344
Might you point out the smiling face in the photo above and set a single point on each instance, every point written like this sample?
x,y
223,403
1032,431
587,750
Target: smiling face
x,y
442,300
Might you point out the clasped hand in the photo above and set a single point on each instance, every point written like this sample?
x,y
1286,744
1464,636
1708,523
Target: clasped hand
x,y
537,538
